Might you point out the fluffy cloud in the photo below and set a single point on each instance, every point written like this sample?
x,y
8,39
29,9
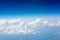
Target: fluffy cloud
x,y
58,23
51,24
2,22
14,21
18,26
34,23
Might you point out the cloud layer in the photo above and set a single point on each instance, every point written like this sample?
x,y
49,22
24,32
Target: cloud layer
x,y
20,26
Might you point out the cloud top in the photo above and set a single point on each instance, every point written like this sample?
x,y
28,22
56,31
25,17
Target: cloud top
x,y
20,26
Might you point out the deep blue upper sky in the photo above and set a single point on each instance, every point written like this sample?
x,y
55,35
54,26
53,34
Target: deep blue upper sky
x,y
29,7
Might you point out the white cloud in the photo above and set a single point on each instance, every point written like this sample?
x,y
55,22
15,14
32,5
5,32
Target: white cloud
x,y
58,23
14,21
17,26
34,23
51,24
20,27
45,22
2,22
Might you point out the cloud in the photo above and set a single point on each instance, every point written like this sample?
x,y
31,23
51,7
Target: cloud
x,y
14,21
19,26
2,22
51,24
45,22
34,23
58,23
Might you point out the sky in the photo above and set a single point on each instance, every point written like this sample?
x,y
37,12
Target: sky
x,y
29,7
29,20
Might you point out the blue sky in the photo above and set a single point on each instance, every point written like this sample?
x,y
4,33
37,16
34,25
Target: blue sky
x,y
29,20
29,7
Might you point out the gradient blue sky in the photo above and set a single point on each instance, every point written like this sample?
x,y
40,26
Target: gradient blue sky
x,y
29,8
